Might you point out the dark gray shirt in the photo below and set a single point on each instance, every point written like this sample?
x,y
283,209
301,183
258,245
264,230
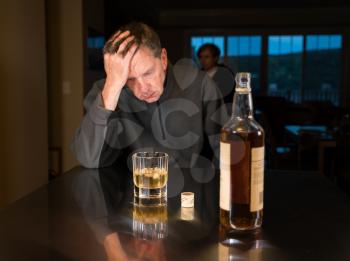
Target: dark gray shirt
x,y
185,122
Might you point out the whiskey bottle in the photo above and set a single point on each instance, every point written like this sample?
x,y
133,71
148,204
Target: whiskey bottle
x,y
242,163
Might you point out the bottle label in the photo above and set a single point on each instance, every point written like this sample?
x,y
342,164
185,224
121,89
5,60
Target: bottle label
x,y
257,179
225,165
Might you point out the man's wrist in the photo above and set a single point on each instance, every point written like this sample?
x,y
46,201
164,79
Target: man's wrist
x,y
110,95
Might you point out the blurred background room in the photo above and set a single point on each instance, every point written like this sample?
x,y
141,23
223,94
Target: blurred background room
x,y
298,53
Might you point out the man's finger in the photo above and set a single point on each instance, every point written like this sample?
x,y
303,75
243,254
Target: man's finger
x,y
113,43
126,44
131,51
119,43
108,47
114,36
121,35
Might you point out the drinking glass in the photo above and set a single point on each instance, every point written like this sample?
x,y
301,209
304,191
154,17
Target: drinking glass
x,y
150,174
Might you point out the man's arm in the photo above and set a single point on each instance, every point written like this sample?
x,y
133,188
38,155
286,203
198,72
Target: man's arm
x,y
116,64
89,139
88,194
215,115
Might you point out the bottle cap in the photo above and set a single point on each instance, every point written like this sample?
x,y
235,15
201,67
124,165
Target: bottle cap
x,y
187,199
243,82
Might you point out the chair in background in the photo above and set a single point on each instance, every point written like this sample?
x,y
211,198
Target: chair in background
x,y
323,112
307,149
342,159
278,155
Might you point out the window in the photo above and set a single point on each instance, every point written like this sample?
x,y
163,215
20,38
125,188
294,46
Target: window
x,y
198,41
244,55
285,66
95,42
323,68
304,67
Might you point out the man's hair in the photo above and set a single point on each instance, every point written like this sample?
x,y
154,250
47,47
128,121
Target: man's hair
x,y
144,36
213,49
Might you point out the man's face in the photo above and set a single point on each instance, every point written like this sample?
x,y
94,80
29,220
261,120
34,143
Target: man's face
x,y
207,59
147,74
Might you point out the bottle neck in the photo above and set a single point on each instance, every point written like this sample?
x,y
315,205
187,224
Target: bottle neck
x,y
242,106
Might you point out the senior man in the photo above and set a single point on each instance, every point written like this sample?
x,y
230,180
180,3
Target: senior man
x,y
145,103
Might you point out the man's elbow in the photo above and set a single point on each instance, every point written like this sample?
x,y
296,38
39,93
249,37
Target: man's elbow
x,y
88,163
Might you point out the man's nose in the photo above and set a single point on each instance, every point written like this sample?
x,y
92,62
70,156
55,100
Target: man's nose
x,y
142,86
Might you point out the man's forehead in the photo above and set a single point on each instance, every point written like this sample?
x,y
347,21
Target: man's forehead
x,y
205,52
142,61
142,51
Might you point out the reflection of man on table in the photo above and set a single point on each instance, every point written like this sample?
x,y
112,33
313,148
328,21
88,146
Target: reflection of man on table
x,y
145,102
99,191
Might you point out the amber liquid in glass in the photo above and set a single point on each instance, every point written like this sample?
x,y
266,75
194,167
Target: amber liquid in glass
x,y
150,214
150,178
150,183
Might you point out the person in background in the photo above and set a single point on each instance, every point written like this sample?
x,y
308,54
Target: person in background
x,y
208,55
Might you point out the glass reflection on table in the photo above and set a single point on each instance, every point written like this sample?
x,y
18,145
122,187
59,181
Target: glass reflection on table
x,y
150,221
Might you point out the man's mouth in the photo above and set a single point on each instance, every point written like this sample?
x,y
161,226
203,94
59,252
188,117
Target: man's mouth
x,y
149,96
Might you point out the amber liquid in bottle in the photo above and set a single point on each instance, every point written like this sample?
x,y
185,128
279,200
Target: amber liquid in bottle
x,y
225,217
242,156
241,144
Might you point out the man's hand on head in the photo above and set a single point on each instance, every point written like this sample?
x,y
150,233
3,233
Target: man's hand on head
x,y
117,54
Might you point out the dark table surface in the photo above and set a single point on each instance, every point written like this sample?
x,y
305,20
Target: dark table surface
x,y
88,214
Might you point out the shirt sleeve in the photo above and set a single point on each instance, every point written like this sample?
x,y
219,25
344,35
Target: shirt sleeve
x,y
215,115
89,140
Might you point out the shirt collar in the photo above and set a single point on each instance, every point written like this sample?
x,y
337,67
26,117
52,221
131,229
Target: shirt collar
x,y
212,71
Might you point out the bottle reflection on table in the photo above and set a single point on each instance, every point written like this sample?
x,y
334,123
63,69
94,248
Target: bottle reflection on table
x,y
239,246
